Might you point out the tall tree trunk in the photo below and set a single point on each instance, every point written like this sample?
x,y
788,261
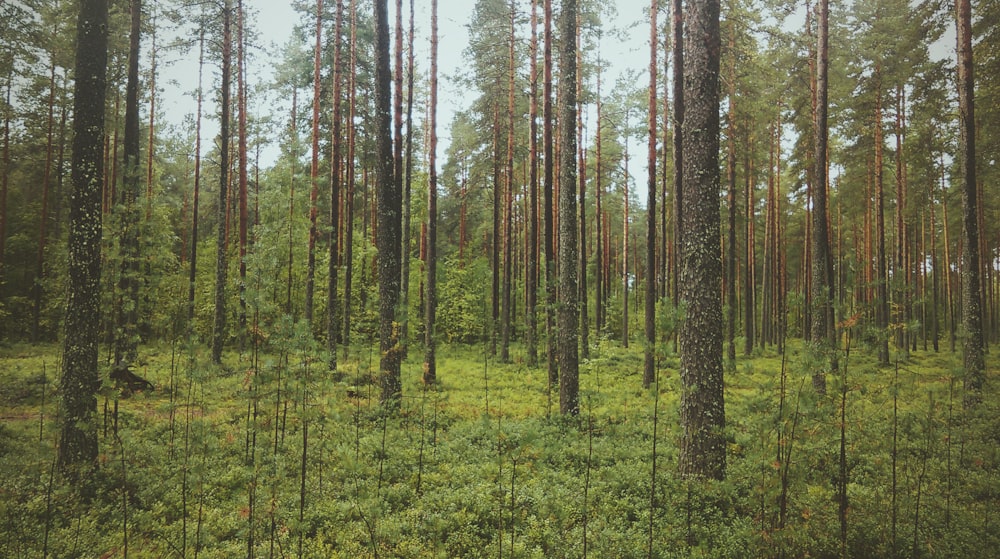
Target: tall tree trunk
x,y
731,260
547,192
4,183
582,166
497,243
531,274
389,214
703,445
407,186
126,335
79,382
882,270
398,172
750,273
625,231
222,256
349,196
508,201
314,168
902,271
569,382
599,224
333,302
193,269
823,330
241,104
649,370
972,313
677,29
293,148
430,298
37,291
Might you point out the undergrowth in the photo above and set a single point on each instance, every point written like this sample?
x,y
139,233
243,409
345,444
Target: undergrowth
x,y
210,464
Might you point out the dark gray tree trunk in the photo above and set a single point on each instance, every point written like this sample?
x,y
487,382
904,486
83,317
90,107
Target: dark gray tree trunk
x,y
972,313
222,256
823,331
531,273
703,445
389,215
430,297
547,195
569,313
79,382
127,333
649,370
333,302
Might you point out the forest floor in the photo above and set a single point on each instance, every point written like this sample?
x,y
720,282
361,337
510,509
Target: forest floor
x,y
271,456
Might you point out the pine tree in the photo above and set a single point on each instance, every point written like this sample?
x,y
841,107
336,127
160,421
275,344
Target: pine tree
x,y
568,330
79,382
703,447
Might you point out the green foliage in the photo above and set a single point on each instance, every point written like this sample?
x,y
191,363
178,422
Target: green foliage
x,y
436,479
462,301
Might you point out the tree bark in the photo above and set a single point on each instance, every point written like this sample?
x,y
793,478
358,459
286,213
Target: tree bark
x,y
193,269
333,302
703,445
547,195
649,369
824,333
569,383
314,168
972,313
79,382
430,297
222,257
389,214
531,273
508,201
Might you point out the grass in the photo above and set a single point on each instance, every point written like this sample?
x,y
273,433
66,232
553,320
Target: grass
x,y
482,465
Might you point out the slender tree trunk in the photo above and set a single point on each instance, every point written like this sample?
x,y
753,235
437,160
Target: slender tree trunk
x,y
241,104
80,382
314,168
823,331
882,270
4,183
349,197
625,231
222,256
582,166
677,28
508,201
972,304
192,271
750,273
497,242
935,278
430,298
649,369
731,260
333,302
37,290
398,172
703,445
389,213
599,225
569,400
407,186
547,192
126,335
531,273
